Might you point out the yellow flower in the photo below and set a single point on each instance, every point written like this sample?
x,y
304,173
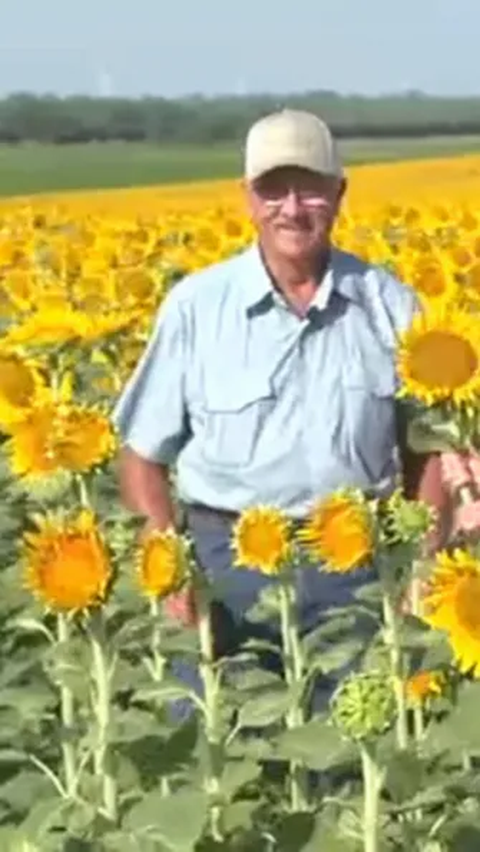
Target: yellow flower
x,y
453,605
439,357
433,280
49,326
21,387
60,437
424,685
162,563
338,532
261,540
66,562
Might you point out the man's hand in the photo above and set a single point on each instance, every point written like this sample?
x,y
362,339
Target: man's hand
x,y
181,607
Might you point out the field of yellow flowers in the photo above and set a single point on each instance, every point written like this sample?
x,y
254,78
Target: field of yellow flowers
x,y
90,758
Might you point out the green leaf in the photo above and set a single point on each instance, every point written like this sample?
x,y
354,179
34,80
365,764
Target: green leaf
x,y
236,774
33,625
405,776
464,835
178,821
170,689
429,434
330,630
317,744
335,657
238,815
460,729
264,709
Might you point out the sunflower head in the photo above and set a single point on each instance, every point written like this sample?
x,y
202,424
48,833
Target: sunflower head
x,y
363,707
422,686
405,520
452,605
60,437
339,532
262,540
21,387
50,325
438,357
67,563
162,563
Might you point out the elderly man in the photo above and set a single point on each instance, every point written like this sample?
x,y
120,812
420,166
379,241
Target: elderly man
x,y
270,377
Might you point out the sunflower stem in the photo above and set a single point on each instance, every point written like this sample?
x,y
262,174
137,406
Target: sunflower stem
x,y
83,495
393,643
101,695
215,756
159,663
67,715
294,670
372,786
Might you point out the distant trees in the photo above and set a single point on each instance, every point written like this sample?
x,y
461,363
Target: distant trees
x,y
198,120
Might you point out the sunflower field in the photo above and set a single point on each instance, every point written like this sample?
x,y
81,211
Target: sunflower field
x,y
91,757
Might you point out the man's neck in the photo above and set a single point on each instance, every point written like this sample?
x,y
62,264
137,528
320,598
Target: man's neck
x,y
298,282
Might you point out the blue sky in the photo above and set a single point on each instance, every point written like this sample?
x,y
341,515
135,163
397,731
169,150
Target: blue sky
x,y
175,47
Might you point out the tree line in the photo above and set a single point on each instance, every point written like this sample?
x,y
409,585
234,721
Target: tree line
x,y
200,120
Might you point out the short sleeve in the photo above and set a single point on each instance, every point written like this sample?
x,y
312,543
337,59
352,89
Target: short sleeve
x,y
151,415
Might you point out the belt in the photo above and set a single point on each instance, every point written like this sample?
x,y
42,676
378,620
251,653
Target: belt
x,y
199,510
224,515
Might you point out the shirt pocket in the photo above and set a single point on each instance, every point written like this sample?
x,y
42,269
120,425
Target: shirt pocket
x,y
235,410
368,429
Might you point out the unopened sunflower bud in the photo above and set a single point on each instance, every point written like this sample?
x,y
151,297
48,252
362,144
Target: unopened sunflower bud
x,y
363,706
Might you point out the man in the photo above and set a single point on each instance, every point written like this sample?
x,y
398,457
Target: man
x,y
270,377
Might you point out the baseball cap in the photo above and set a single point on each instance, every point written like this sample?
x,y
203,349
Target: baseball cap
x,y
291,138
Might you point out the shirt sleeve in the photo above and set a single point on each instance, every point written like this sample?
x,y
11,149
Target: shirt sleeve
x,y
151,414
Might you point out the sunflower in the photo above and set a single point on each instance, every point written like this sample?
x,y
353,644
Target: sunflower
x,y
21,387
162,563
49,325
438,357
453,605
54,437
66,562
339,532
261,540
433,281
424,685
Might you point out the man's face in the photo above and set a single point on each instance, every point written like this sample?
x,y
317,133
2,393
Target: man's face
x,y
294,210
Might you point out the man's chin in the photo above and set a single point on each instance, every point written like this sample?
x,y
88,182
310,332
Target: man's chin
x,y
295,247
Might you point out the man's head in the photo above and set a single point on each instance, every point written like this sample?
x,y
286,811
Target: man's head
x,y
294,182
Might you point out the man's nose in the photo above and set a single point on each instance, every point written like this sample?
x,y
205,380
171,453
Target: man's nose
x,y
291,204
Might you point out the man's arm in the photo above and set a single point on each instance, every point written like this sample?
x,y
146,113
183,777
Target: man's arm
x,y
151,418
145,489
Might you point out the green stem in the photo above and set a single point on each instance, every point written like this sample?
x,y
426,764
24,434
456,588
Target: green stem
x,y
215,756
101,705
392,640
83,495
372,786
418,722
158,666
67,714
294,670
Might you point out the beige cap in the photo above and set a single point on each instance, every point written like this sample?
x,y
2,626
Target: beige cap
x,y
291,138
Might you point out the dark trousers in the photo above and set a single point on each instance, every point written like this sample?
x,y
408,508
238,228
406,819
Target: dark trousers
x,y
237,590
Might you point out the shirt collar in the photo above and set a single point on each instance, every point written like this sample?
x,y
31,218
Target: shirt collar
x,y
341,277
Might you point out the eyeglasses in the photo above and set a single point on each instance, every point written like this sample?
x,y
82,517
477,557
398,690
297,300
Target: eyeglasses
x,y
305,198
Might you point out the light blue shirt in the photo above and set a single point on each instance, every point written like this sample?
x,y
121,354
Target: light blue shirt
x,y
254,405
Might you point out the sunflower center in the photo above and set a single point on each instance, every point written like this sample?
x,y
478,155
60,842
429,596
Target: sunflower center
x,y
443,359
17,385
431,282
468,604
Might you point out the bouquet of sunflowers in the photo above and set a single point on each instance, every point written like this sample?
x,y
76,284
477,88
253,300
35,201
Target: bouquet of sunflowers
x,y
438,361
